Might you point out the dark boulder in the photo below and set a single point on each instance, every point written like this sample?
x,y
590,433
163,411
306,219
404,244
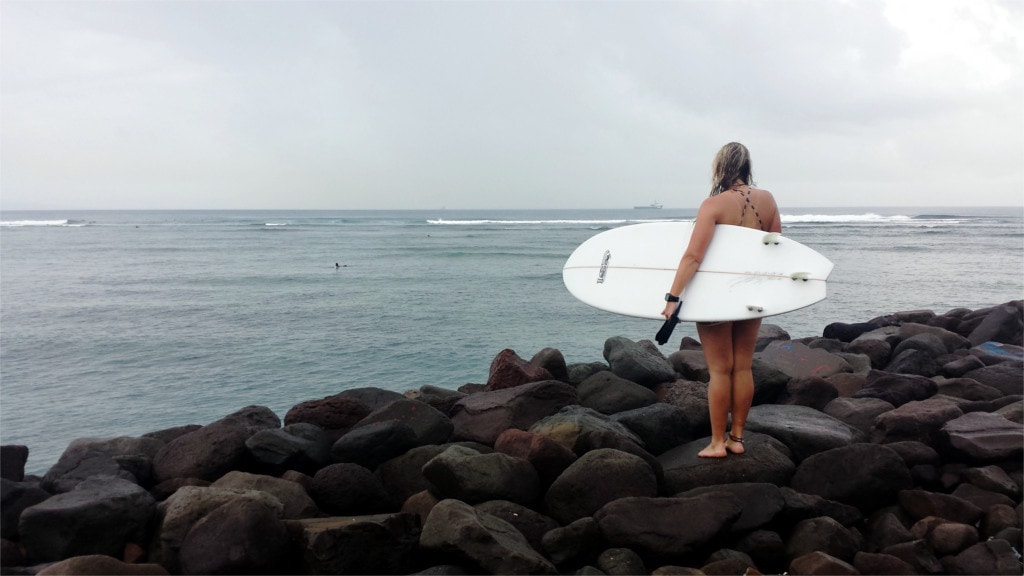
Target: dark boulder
x,y
913,361
428,425
607,393
239,537
376,544
1002,324
548,457
859,413
478,539
847,332
760,502
960,366
99,516
573,426
766,460
92,564
897,389
295,501
302,446
12,462
982,437
402,476
920,504
125,457
967,389
823,534
822,563
575,494
15,497
990,557
574,544
800,506
878,351
919,421
812,392
1007,377
482,417
804,430
533,525
215,449
372,444
661,426
465,474
797,360
692,399
639,362
336,412
652,524
769,333
552,360
348,489
867,476
620,561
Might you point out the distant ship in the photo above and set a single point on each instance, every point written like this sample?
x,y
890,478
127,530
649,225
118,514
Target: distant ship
x,y
654,206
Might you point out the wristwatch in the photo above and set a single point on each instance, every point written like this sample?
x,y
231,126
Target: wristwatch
x,y
670,298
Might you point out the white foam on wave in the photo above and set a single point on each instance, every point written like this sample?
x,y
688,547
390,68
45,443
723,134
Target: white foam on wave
x,y
442,222
868,218
20,223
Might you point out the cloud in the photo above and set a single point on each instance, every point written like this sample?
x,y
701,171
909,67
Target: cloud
x,y
429,104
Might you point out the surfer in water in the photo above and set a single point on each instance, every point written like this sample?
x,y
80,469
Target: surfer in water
x,y
728,346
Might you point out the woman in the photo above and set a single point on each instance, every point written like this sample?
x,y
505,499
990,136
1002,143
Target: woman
x,y
728,346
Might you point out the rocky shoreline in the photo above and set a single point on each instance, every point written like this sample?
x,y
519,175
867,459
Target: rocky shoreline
x,y
893,446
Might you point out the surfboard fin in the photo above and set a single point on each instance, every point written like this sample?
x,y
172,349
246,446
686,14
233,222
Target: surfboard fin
x,y
800,276
755,308
771,238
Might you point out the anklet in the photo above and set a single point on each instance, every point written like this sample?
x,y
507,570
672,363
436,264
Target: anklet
x,y
735,439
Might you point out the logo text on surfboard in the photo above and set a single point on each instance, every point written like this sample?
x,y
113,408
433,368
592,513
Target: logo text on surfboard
x,y
604,266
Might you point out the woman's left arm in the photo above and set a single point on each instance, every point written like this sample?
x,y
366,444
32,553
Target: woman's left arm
x,y
700,238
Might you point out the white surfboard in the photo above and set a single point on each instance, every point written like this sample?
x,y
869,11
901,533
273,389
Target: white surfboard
x,y
745,273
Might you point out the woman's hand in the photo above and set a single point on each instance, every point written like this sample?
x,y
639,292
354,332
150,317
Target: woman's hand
x,y
670,309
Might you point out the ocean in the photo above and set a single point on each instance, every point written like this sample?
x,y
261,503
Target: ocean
x,y
124,322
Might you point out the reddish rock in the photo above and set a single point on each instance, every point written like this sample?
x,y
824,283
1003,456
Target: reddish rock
x,y
982,437
820,563
331,413
919,421
508,370
798,360
881,564
484,416
548,457
98,564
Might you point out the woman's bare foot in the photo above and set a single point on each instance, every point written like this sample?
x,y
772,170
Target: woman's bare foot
x,y
714,451
734,445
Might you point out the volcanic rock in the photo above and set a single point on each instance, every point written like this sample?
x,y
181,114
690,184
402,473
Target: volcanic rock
x,y
293,497
347,489
302,446
12,462
858,413
797,360
124,457
652,524
803,430
916,420
239,537
575,494
766,460
637,362
607,393
897,389
660,426
549,458
867,476
982,437
467,475
428,425
377,544
375,443
482,417
508,370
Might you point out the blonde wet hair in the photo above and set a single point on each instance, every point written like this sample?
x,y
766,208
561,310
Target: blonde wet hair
x,y
732,163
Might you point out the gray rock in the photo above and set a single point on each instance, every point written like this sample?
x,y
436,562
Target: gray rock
x,y
402,476
573,425
99,516
376,544
691,365
982,437
303,447
797,360
124,457
429,426
967,389
12,462
1007,377
576,543
652,524
859,413
213,450
920,504
296,502
960,366
805,431
867,476
878,351
467,475
925,342
760,502
637,363
482,417
607,393
994,353
692,398
621,561
184,508
913,361
457,529
919,421
823,534
239,537
575,494
766,460
661,426
15,497
897,389
372,444
1002,324
812,392
769,333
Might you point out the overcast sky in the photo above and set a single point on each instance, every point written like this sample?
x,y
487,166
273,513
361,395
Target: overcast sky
x,y
358,105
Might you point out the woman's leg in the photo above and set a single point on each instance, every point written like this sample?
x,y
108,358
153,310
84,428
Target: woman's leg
x,y
716,340
744,340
